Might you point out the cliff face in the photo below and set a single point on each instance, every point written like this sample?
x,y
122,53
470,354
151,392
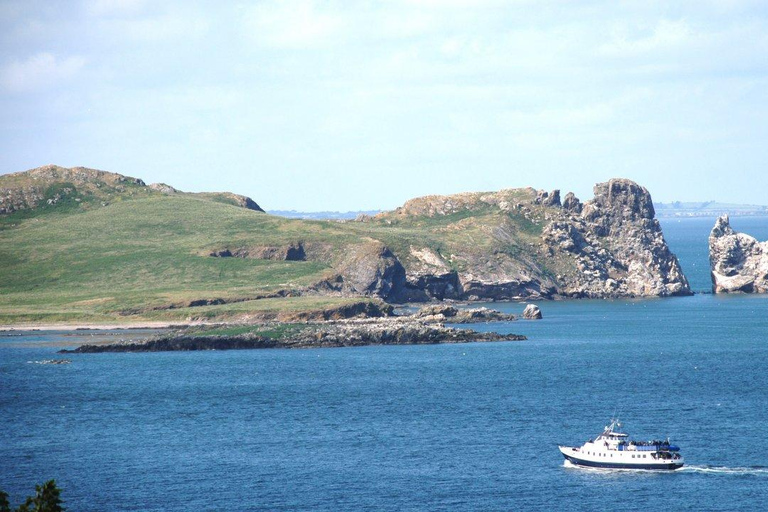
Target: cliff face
x,y
739,263
616,245
525,243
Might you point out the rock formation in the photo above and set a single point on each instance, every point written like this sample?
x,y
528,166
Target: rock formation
x,y
616,244
404,330
527,244
532,312
739,263
454,315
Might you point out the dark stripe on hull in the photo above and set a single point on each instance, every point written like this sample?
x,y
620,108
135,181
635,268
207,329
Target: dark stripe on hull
x,y
619,465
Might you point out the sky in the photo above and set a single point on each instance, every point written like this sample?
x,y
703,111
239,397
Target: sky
x,y
360,105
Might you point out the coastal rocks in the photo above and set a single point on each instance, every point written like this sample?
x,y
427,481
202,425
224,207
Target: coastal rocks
x,y
362,309
352,333
738,262
430,276
614,246
179,344
454,315
507,288
519,244
532,312
371,269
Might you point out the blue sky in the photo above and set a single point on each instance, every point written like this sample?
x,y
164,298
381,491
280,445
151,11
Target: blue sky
x,y
314,105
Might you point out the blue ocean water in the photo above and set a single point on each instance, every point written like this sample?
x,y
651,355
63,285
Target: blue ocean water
x,y
445,427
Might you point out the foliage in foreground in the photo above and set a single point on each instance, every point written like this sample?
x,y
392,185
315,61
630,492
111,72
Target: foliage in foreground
x,y
47,498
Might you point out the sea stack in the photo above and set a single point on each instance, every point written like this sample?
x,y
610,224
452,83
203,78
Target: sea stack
x,y
738,262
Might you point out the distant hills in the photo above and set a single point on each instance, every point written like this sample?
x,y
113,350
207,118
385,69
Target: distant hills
x,y
674,209
327,215
708,209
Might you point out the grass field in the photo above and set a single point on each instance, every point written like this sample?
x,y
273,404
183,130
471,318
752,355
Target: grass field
x,y
145,257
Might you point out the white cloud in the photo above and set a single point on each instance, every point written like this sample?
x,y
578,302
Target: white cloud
x,y
114,7
666,35
41,71
162,27
292,24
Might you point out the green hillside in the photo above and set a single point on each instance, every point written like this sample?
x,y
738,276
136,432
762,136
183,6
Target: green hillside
x,y
147,256
79,245
135,259
136,255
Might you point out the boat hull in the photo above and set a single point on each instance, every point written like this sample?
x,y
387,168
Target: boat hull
x,y
621,465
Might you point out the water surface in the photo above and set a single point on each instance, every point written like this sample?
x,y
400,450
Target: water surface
x,y
448,427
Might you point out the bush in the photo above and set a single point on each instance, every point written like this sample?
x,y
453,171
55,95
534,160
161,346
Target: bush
x,y
47,498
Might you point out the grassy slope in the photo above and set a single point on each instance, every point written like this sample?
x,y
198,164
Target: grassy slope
x,y
122,261
136,254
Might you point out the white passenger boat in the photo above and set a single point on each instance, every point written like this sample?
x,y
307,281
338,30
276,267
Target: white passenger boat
x,y
614,450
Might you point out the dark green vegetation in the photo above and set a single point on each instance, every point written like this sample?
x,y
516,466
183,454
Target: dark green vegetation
x,y
47,498
126,252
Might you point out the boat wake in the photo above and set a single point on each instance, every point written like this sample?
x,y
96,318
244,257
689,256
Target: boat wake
x,y
712,470
577,467
722,470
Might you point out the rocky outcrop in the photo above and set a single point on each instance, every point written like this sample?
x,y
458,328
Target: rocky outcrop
x,y
532,312
289,252
442,313
370,269
527,244
572,204
739,263
163,188
616,246
548,199
51,186
351,333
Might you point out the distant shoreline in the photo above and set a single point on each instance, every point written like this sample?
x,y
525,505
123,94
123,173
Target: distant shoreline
x,y
99,327
712,215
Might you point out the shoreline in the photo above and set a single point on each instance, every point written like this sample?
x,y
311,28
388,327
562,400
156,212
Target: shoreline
x,y
101,327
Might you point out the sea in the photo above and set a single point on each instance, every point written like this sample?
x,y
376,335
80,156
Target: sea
x,y
446,427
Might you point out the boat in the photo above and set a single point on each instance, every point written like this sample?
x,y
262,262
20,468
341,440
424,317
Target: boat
x,y
613,449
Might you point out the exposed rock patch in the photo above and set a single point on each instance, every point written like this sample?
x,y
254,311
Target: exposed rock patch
x,y
738,262
370,269
163,188
289,252
532,312
442,313
51,185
